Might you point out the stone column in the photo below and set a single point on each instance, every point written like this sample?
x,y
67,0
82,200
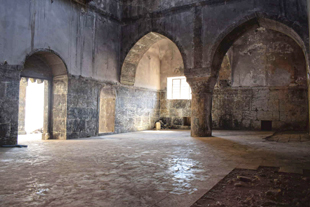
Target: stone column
x,y
59,107
45,133
308,72
22,106
9,92
201,107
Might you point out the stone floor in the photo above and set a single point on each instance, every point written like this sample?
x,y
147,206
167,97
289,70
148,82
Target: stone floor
x,y
148,168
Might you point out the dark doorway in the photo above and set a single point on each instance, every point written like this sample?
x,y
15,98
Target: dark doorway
x,y
266,125
186,121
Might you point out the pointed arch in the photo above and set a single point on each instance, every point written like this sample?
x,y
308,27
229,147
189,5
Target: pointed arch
x,y
131,62
229,36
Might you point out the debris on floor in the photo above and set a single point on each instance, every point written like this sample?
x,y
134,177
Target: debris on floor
x,y
37,131
288,136
263,187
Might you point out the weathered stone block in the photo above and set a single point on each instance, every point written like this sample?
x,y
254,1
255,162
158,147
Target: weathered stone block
x,y
259,105
264,115
5,130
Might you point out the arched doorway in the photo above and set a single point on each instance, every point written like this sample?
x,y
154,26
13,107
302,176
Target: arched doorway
x,y
155,63
47,68
262,84
107,110
204,86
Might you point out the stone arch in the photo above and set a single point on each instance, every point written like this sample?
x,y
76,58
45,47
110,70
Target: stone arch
x,y
36,62
229,36
227,39
203,86
48,67
130,64
106,108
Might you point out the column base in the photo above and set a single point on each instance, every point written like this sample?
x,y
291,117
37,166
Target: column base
x,y
201,134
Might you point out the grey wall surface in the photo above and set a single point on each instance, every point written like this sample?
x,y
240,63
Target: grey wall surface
x,y
198,29
9,95
87,41
267,81
135,108
94,40
245,108
110,7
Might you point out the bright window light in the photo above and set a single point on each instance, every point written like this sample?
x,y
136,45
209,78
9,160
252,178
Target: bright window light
x,y
178,88
34,106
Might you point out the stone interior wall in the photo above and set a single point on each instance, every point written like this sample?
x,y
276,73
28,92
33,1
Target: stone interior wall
x,y
22,106
148,70
82,107
59,109
172,112
133,8
263,77
258,75
161,61
135,108
108,6
9,94
47,127
107,110
235,108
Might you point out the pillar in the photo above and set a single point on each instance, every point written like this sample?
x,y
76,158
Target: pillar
x,y
59,107
9,95
201,107
308,72
46,116
22,106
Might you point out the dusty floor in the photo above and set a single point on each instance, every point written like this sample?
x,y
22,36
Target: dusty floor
x,y
149,168
257,188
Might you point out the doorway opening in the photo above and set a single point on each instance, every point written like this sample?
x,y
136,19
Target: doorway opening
x,y
266,125
32,108
107,110
43,97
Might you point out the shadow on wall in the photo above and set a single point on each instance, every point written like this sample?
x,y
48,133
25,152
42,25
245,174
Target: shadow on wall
x,y
262,71
49,67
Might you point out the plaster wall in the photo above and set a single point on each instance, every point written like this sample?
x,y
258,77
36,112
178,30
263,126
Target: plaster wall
x,y
148,71
112,7
87,40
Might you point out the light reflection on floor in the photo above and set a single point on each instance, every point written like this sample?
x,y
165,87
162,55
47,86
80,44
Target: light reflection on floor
x,y
30,137
150,168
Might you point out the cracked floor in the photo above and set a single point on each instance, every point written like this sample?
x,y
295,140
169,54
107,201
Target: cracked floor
x,y
147,168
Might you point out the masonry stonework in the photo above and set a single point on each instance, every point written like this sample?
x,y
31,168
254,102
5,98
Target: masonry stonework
x,y
9,102
94,38
22,106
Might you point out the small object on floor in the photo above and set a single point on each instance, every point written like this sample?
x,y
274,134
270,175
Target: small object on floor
x,y
244,178
11,146
158,125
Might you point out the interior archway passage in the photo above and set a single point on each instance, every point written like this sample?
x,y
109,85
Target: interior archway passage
x,y
134,56
203,87
262,84
107,110
50,68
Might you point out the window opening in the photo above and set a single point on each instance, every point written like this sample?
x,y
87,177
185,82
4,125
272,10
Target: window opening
x,y
178,88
